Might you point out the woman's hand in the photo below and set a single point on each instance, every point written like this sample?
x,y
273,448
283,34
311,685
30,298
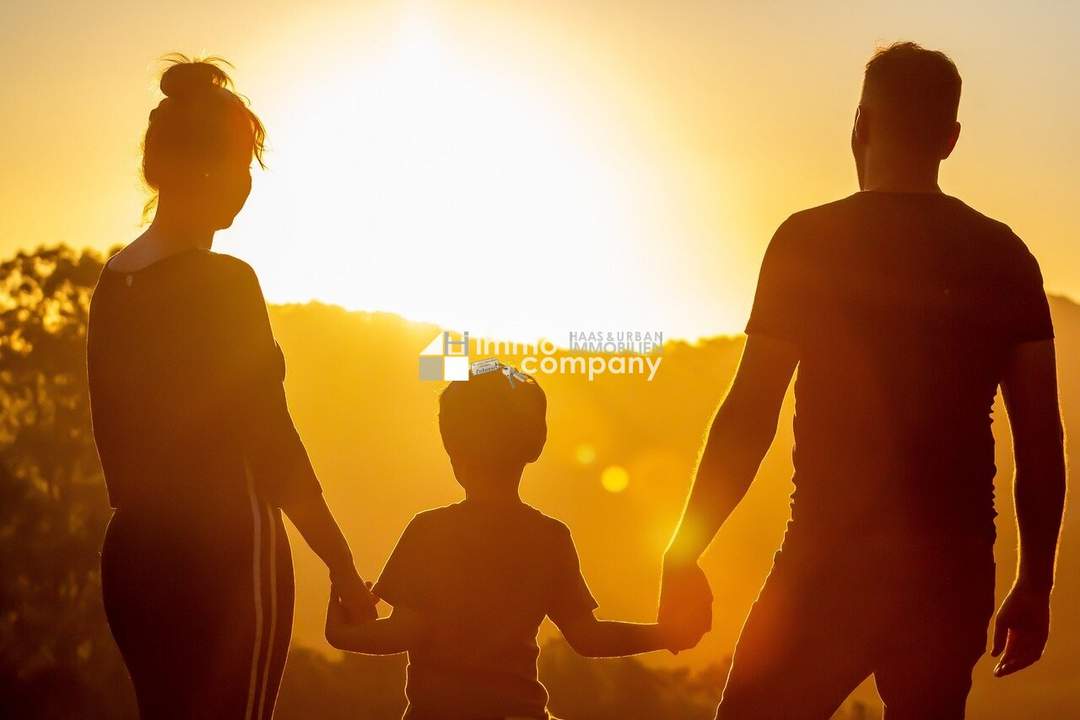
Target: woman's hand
x,y
354,596
315,522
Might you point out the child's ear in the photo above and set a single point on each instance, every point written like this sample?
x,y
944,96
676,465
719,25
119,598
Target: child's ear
x,y
532,454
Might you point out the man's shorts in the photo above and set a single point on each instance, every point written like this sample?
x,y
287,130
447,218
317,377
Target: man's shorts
x,y
829,617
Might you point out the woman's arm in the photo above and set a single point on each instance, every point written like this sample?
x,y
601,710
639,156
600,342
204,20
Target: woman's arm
x,y
385,636
312,517
591,637
279,465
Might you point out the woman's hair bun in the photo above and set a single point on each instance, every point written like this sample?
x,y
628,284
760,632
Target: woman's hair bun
x,y
200,122
188,77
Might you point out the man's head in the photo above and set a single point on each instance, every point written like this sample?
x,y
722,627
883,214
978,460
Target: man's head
x,y
492,425
909,102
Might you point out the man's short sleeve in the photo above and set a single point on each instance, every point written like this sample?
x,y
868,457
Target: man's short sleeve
x,y
569,593
404,579
1025,310
779,303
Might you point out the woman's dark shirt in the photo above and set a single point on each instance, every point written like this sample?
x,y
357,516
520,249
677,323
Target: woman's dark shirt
x,y
186,388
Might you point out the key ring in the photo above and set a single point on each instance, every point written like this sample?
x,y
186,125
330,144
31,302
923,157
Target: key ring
x,y
490,365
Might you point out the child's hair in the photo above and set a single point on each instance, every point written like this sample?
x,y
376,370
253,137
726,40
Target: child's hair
x,y
200,122
496,419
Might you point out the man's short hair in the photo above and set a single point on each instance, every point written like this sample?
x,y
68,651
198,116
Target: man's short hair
x,y
912,94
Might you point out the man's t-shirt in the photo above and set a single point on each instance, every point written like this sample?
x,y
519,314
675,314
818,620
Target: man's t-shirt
x,y
904,307
483,581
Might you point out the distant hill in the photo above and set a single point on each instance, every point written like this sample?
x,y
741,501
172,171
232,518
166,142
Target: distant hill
x,y
370,427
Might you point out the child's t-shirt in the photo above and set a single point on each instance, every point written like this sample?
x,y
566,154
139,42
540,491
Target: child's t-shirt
x,y
484,581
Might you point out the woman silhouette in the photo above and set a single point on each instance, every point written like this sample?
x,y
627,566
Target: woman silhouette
x,y
199,453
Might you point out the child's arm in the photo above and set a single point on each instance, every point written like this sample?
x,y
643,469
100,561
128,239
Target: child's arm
x,y
610,638
571,607
385,636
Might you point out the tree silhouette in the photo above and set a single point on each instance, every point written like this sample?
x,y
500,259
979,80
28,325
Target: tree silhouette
x,y
56,657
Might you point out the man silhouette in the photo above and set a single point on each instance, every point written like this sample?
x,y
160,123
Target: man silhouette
x,y
904,309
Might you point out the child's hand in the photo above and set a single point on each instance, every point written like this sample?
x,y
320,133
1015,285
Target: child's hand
x,y
345,607
355,595
679,637
339,618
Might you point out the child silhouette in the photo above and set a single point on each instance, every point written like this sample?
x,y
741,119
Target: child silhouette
x,y
471,582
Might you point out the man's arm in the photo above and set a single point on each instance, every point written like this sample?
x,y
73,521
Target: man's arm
x,y
741,432
1030,389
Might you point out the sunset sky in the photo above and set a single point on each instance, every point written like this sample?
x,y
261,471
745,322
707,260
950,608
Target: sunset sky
x,y
528,168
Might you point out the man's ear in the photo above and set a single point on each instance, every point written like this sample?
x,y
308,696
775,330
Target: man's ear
x,y
950,142
859,137
859,128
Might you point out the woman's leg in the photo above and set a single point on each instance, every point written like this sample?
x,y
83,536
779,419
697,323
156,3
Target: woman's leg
x,y
203,617
254,654
154,617
276,600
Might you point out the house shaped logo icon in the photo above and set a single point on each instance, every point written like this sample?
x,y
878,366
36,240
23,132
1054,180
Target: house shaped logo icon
x,y
445,358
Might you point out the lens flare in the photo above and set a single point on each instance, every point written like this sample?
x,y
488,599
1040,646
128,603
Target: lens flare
x,y
585,454
615,478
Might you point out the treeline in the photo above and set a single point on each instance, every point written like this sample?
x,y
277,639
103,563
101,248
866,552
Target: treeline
x,y
57,659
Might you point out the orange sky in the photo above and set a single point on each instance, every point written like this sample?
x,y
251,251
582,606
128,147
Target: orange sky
x,y
536,167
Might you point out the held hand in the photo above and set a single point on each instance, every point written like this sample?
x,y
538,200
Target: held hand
x,y
678,638
1021,630
336,619
355,597
685,603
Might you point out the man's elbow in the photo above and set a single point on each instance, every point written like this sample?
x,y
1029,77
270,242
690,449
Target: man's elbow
x,y
1036,452
1052,434
759,435
742,428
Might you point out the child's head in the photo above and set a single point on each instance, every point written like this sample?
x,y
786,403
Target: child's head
x,y
493,424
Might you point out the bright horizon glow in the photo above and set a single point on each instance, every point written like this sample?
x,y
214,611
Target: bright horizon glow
x,y
527,169
423,181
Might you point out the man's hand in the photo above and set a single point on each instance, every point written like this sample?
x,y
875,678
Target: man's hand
x,y
1021,630
679,638
685,602
739,437
355,596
